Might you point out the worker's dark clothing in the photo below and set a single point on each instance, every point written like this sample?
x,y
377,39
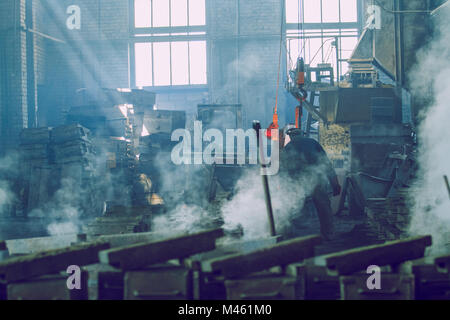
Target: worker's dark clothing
x,y
303,161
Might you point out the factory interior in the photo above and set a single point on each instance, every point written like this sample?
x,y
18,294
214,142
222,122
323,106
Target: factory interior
x,y
224,150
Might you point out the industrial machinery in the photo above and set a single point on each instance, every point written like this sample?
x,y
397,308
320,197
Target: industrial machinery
x,y
363,125
227,170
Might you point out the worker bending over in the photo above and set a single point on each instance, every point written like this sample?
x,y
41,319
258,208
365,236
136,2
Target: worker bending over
x,y
304,163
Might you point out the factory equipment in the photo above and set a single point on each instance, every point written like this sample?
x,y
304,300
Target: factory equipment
x,y
226,171
302,85
365,118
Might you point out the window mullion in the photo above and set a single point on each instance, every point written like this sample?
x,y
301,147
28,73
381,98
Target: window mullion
x,y
170,14
170,63
153,66
151,13
170,44
187,13
321,29
189,62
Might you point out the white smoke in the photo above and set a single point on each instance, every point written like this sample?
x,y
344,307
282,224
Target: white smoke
x,y
5,195
431,212
62,228
247,208
183,219
8,171
239,73
63,210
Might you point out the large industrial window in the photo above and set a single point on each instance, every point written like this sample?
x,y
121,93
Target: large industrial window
x,y
316,27
169,44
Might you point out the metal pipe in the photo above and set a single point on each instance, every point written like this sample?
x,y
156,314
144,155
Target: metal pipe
x,y
338,60
265,180
315,112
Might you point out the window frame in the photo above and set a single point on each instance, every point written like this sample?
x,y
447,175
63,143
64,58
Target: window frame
x,y
305,30
165,34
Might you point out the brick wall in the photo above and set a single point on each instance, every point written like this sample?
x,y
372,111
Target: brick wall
x,y
94,56
13,76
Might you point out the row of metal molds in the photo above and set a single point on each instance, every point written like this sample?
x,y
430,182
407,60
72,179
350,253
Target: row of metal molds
x,y
144,267
178,283
298,282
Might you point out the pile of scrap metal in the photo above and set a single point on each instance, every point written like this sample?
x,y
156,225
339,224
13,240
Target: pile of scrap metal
x,y
66,168
115,118
167,179
205,266
93,163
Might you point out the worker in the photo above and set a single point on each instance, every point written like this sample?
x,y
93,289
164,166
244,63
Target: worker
x,y
304,162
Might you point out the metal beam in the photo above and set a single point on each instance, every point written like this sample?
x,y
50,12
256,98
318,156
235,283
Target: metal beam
x,y
311,109
438,9
182,29
43,35
325,25
167,38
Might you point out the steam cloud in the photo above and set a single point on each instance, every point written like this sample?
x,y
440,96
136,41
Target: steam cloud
x,y
247,208
65,212
184,190
183,219
239,72
431,212
62,211
7,169
5,195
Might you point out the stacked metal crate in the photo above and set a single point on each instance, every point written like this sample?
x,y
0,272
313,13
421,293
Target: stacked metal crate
x,y
34,145
71,144
36,168
57,158
74,157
